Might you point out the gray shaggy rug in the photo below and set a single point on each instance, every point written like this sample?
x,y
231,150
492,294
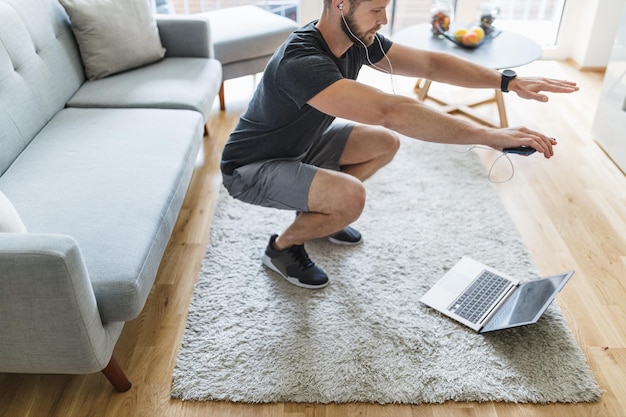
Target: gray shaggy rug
x,y
252,337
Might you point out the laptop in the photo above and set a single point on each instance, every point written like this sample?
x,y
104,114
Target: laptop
x,y
485,299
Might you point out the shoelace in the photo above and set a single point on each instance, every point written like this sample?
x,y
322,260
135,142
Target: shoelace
x,y
299,255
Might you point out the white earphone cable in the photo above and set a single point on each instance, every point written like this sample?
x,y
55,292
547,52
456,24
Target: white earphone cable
x,y
367,55
490,174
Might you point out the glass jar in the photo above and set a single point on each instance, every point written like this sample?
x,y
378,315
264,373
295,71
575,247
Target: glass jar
x,y
442,14
487,13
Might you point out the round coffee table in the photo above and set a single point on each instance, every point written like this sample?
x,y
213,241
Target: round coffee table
x,y
507,50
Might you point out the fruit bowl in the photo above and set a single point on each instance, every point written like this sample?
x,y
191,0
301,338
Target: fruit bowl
x,y
469,38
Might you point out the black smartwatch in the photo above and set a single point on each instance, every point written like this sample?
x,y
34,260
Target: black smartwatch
x,y
507,76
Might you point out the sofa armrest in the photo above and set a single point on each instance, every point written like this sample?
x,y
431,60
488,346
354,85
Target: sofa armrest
x,y
186,35
49,318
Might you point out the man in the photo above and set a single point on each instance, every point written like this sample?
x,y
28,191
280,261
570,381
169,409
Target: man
x,y
288,152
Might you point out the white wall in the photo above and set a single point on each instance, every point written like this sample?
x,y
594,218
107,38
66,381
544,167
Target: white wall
x,y
589,29
610,120
310,10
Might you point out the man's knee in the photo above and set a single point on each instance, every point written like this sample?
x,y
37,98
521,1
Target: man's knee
x,y
393,143
333,192
350,197
349,204
357,197
387,141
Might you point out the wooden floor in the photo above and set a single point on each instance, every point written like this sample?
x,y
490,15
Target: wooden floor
x,y
570,210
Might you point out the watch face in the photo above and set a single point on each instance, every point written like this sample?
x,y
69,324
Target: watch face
x,y
509,73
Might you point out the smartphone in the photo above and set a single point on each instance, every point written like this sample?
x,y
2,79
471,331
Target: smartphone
x,y
520,150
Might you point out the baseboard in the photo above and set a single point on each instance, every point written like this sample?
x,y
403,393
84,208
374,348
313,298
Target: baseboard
x,y
585,68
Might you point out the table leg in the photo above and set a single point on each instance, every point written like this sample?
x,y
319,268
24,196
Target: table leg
x,y
422,85
421,88
504,122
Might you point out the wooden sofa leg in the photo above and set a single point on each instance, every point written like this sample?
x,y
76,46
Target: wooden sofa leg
x,y
116,376
222,102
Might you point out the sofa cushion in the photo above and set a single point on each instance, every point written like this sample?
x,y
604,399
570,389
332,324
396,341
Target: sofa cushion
x,y
10,221
114,35
114,180
175,83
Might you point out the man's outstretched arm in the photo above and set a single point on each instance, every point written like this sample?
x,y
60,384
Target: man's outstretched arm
x,y
355,101
447,68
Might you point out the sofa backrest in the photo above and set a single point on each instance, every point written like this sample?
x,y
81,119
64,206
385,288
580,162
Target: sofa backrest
x,y
40,69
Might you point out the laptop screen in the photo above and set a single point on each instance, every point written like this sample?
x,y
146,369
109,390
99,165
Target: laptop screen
x,y
527,303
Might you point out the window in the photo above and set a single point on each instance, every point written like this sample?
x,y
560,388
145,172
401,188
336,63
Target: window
x,y
288,8
537,19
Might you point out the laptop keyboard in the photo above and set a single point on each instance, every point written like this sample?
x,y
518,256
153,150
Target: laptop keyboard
x,y
479,296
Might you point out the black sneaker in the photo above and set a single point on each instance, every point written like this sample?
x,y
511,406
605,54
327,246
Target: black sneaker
x,y
294,265
347,236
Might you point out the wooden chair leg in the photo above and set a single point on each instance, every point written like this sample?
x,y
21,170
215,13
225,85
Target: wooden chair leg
x,y
222,102
116,376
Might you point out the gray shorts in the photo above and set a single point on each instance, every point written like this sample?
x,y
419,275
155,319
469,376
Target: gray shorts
x,y
284,183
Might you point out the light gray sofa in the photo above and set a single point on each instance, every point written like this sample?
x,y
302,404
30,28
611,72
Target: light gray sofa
x,y
97,171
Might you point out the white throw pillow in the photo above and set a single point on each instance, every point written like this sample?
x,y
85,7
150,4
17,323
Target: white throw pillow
x,y
10,221
114,35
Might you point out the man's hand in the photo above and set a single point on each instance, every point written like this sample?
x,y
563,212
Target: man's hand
x,y
520,136
531,87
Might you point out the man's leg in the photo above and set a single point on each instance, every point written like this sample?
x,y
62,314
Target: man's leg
x,y
337,199
368,149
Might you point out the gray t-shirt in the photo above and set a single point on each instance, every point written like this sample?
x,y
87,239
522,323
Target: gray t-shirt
x,y
278,122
